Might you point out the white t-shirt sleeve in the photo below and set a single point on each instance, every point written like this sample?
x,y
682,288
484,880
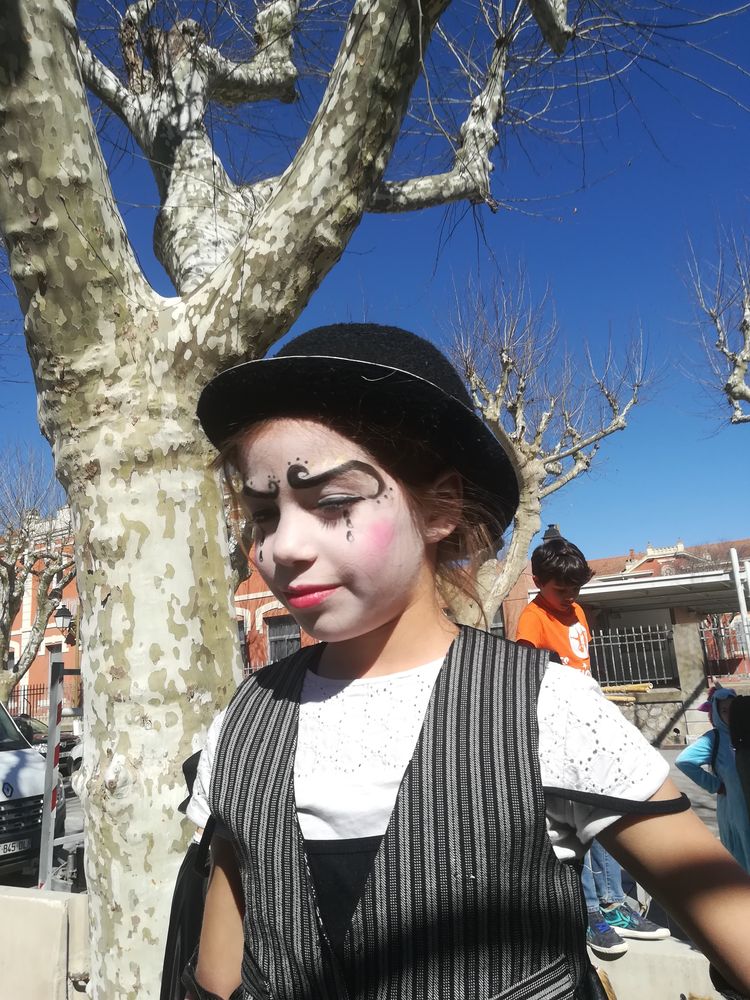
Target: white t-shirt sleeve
x,y
587,745
198,810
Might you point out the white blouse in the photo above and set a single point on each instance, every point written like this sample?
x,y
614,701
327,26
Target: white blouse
x,y
357,737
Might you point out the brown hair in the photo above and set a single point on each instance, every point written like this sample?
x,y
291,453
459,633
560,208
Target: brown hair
x,y
477,535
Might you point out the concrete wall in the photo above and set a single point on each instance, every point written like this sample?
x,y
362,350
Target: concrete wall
x,y
668,716
644,616
44,944
659,970
660,719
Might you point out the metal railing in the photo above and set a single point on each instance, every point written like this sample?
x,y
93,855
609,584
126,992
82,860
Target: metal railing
x,y
634,654
723,647
33,699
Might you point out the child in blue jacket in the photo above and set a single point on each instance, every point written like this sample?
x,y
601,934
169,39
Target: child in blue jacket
x,y
714,750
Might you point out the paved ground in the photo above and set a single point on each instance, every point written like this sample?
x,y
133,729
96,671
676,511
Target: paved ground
x,y
703,802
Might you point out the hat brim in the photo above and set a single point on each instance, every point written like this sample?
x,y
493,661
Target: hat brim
x,y
291,385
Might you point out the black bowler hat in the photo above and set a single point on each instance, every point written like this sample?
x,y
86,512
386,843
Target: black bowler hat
x,y
379,373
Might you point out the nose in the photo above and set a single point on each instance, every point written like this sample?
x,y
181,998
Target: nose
x,y
291,542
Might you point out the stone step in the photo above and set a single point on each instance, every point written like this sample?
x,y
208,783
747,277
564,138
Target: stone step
x,y
658,970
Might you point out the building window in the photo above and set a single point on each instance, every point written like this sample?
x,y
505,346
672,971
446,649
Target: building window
x,y
498,625
12,665
243,645
283,637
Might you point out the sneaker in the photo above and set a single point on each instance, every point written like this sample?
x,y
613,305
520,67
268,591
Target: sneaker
x,y
629,924
601,938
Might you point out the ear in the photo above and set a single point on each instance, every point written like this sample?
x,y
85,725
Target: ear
x,y
446,508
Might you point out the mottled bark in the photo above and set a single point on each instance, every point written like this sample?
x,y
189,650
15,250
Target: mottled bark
x,y
7,683
551,16
158,631
157,626
172,77
469,177
304,226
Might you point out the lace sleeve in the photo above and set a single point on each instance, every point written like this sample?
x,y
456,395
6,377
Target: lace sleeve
x,y
587,746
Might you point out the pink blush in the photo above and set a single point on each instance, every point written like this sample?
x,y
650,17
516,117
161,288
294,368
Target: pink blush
x,y
380,536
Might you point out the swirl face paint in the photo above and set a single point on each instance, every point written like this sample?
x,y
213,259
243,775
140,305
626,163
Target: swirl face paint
x,y
335,540
298,477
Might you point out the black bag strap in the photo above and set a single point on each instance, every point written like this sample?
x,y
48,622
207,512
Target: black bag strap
x,y
202,864
661,807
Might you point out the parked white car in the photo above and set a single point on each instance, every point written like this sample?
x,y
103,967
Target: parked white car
x,y
22,771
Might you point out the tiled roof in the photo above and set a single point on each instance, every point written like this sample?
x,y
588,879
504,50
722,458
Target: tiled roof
x,y
716,555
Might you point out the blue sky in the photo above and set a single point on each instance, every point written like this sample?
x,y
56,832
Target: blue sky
x,y
609,232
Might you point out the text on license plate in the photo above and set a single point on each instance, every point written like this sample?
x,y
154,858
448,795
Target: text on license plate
x,y
14,846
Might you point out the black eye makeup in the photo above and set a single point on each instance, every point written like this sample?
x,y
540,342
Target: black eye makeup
x,y
258,517
271,493
334,507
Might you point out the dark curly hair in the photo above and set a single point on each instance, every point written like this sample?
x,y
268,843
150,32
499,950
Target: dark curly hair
x,y
560,560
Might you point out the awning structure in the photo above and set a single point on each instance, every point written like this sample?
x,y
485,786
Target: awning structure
x,y
706,592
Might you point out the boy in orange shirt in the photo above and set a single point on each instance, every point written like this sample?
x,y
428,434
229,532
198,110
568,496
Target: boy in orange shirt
x,y
555,621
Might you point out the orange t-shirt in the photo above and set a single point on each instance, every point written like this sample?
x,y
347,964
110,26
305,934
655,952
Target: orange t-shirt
x,y
569,637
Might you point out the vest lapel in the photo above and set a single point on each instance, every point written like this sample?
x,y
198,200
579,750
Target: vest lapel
x,y
260,802
297,896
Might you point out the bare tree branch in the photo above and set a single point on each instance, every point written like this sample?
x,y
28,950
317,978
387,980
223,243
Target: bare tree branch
x,y
102,81
139,77
724,309
35,552
67,245
271,73
56,573
327,187
469,178
551,15
546,419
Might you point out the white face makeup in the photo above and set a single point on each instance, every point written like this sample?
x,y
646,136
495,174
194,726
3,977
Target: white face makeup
x,y
335,539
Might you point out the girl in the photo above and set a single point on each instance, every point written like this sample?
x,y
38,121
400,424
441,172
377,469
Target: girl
x,y
714,749
400,809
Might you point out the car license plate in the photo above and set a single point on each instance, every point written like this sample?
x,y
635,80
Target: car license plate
x,y
14,846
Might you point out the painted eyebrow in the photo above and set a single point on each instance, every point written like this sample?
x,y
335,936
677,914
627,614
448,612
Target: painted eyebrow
x,y
300,479
270,494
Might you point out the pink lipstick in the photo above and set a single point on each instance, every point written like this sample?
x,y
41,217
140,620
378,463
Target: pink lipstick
x,y
308,597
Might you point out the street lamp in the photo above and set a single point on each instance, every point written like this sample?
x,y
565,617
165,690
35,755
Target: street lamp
x,y
63,618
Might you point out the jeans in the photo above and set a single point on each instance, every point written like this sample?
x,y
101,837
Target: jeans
x,y
601,878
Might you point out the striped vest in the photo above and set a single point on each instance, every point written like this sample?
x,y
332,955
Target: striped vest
x,y
465,898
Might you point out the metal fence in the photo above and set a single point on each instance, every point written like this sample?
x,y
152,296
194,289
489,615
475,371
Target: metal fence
x,y
723,646
635,654
30,700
